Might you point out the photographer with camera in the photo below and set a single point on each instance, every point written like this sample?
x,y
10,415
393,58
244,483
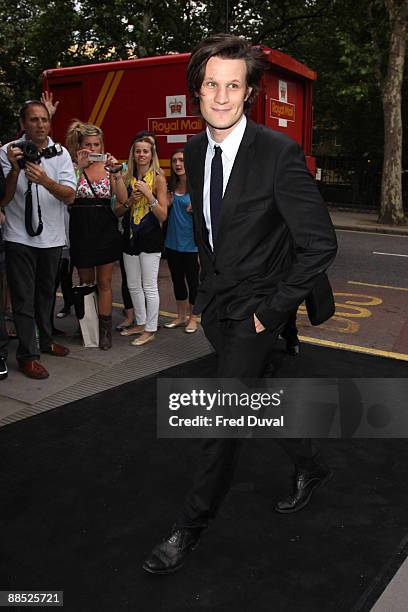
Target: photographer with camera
x,y
40,180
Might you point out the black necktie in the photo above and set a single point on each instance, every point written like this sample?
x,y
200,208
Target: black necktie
x,y
216,185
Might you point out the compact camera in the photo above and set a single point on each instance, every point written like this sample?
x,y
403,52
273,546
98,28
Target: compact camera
x,y
115,168
97,157
31,153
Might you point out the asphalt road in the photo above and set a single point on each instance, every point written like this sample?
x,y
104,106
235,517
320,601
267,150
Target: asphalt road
x,y
358,258
371,294
370,283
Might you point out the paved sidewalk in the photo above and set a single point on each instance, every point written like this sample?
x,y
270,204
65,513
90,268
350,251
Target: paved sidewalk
x,y
364,222
88,371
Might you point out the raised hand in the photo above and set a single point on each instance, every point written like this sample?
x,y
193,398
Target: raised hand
x,y
47,100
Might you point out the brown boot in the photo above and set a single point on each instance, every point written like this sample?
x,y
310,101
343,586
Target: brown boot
x,y
105,332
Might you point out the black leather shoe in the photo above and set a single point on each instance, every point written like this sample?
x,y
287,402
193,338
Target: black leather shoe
x,y
306,482
169,556
292,348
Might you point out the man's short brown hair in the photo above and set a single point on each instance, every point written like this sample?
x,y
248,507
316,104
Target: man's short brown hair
x,y
29,104
226,46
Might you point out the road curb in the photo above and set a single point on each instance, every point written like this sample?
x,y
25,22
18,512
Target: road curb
x,y
395,231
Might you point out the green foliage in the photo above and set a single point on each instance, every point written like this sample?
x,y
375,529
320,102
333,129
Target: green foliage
x,y
34,36
337,38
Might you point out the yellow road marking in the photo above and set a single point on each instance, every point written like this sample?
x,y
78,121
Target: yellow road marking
x,y
101,97
356,305
112,90
378,286
355,348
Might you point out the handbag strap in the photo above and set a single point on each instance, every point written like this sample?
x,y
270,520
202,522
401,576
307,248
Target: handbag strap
x,y
90,186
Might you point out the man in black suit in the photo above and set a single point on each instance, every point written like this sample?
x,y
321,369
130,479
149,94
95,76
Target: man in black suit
x,y
264,236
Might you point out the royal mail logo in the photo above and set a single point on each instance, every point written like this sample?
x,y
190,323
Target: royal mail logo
x,y
176,106
282,110
166,126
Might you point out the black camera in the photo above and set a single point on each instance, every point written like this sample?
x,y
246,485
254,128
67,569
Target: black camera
x,y
31,153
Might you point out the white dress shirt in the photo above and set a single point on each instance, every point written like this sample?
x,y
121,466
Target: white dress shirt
x,y
229,148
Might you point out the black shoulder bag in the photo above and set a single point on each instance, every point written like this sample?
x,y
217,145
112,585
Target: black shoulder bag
x,y
320,301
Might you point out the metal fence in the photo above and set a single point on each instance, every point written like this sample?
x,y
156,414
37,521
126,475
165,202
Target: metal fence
x,y
355,183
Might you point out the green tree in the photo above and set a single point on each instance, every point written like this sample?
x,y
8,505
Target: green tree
x,y
346,42
358,51
389,72
34,35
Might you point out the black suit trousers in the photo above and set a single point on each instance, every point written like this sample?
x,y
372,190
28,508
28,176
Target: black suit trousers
x,y
241,353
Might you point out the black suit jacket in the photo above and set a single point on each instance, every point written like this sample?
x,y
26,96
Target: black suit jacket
x,y
275,235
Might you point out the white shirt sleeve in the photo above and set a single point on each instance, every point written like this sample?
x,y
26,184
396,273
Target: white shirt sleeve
x,y
5,160
66,172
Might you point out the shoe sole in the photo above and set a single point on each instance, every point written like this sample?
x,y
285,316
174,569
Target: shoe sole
x,y
137,343
34,377
307,500
174,326
149,570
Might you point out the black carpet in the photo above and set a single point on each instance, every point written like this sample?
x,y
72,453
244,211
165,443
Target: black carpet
x,y
87,489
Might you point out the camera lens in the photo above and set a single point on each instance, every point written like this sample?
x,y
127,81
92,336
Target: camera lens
x,y
30,151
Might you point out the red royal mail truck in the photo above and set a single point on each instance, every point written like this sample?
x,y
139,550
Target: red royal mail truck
x,y
151,94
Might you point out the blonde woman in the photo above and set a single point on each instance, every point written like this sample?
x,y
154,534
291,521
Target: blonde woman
x,y
95,242
143,214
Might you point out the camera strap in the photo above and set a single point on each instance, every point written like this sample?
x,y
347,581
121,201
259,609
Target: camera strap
x,y
29,213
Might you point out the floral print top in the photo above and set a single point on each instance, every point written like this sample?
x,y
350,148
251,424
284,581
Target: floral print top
x,y
102,188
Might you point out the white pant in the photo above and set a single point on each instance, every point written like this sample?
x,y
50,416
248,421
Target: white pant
x,y
142,272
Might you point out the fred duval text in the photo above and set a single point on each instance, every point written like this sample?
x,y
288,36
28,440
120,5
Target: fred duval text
x,y
220,421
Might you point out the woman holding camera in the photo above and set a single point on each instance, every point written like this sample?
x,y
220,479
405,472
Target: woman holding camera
x,y
143,213
95,242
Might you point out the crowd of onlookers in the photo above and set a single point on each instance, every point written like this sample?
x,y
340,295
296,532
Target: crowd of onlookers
x,y
76,207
